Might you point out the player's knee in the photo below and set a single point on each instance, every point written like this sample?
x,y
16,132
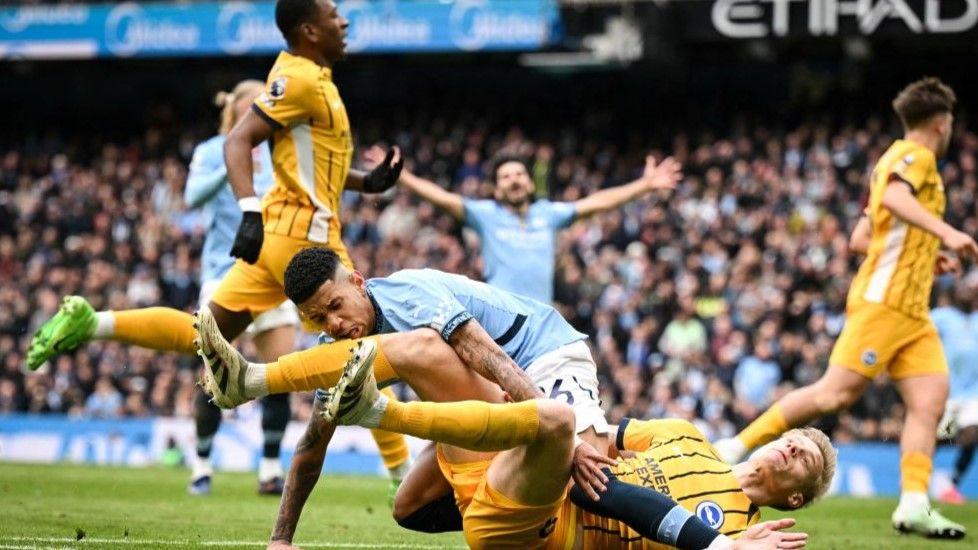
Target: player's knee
x,y
557,420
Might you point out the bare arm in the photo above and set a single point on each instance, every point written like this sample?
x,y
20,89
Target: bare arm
x,y
307,464
664,176
478,351
861,235
245,136
433,193
900,201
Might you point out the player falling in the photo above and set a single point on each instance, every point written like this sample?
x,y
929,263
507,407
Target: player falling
x,y
302,113
888,327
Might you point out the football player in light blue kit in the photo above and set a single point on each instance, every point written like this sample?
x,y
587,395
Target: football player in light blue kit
x,y
957,325
273,332
518,233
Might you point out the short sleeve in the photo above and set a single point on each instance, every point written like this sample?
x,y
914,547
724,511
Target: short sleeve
x,y
912,169
410,303
287,99
560,214
478,214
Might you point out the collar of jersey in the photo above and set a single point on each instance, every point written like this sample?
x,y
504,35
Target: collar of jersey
x,y
378,314
326,71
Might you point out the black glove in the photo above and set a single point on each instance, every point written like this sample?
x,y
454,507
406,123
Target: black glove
x,y
251,233
384,176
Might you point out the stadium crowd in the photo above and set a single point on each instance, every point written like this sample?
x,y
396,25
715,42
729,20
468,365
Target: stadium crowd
x,y
705,304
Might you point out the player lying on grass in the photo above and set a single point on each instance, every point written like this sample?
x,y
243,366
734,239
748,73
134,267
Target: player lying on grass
x,y
421,358
518,498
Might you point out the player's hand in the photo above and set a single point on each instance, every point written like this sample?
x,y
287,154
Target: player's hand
x,y
251,233
586,470
768,535
664,175
946,263
385,172
961,244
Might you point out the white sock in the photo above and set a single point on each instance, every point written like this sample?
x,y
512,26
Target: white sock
x,y
269,468
255,383
104,325
913,499
398,472
201,467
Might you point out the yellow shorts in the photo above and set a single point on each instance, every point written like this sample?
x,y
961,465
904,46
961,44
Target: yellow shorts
x,y
876,338
260,287
492,520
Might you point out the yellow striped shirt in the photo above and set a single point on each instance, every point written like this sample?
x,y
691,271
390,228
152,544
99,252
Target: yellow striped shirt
x,y
899,267
312,150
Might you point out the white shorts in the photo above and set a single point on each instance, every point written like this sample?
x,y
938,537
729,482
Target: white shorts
x,y
959,413
284,315
568,373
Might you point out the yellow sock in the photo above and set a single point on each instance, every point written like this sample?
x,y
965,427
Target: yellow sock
x,y
767,427
159,328
915,468
472,425
393,448
319,367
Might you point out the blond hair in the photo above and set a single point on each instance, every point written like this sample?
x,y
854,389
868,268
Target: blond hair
x,y
226,101
817,488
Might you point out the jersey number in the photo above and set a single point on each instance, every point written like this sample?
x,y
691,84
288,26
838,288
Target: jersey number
x,y
556,392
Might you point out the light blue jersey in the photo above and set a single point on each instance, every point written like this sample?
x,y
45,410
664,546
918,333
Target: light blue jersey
x,y
959,335
415,298
519,252
208,188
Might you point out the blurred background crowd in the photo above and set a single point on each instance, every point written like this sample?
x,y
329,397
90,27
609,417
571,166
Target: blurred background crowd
x,y
705,303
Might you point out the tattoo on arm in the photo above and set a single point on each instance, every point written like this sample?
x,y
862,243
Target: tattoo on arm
x,y
478,351
307,464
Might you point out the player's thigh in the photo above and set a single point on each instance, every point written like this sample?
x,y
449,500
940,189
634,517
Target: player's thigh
x,y
569,374
422,360
922,355
537,474
424,483
871,338
274,331
494,520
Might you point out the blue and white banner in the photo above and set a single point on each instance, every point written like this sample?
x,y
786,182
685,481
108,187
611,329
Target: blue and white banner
x,y
865,469
130,29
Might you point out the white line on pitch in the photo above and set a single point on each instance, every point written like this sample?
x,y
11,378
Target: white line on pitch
x,y
143,542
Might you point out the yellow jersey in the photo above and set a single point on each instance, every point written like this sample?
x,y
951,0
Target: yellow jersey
x,y
312,149
675,459
899,267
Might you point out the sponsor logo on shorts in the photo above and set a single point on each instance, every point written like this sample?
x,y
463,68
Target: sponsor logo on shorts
x,y
710,513
869,358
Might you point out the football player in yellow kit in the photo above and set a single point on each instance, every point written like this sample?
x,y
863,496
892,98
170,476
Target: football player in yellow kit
x,y
888,326
518,498
300,113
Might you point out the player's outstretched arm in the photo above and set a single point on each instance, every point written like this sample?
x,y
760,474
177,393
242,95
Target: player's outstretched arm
x,y
427,190
307,464
665,175
246,134
383,171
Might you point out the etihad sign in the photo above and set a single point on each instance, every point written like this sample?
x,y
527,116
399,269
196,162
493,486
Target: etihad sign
x,y
765,18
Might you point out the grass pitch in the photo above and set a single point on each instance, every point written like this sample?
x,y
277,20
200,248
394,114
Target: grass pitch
x,y
54,506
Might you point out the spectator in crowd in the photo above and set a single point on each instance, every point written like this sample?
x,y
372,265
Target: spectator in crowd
x,y
755,237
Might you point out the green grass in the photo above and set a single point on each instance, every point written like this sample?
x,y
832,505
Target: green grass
x,y
49,506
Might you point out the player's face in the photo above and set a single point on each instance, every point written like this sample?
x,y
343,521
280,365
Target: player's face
x,y
341,308
331,27
788,464
513,184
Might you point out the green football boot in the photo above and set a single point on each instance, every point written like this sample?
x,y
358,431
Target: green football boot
x,y
72,326
926,521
